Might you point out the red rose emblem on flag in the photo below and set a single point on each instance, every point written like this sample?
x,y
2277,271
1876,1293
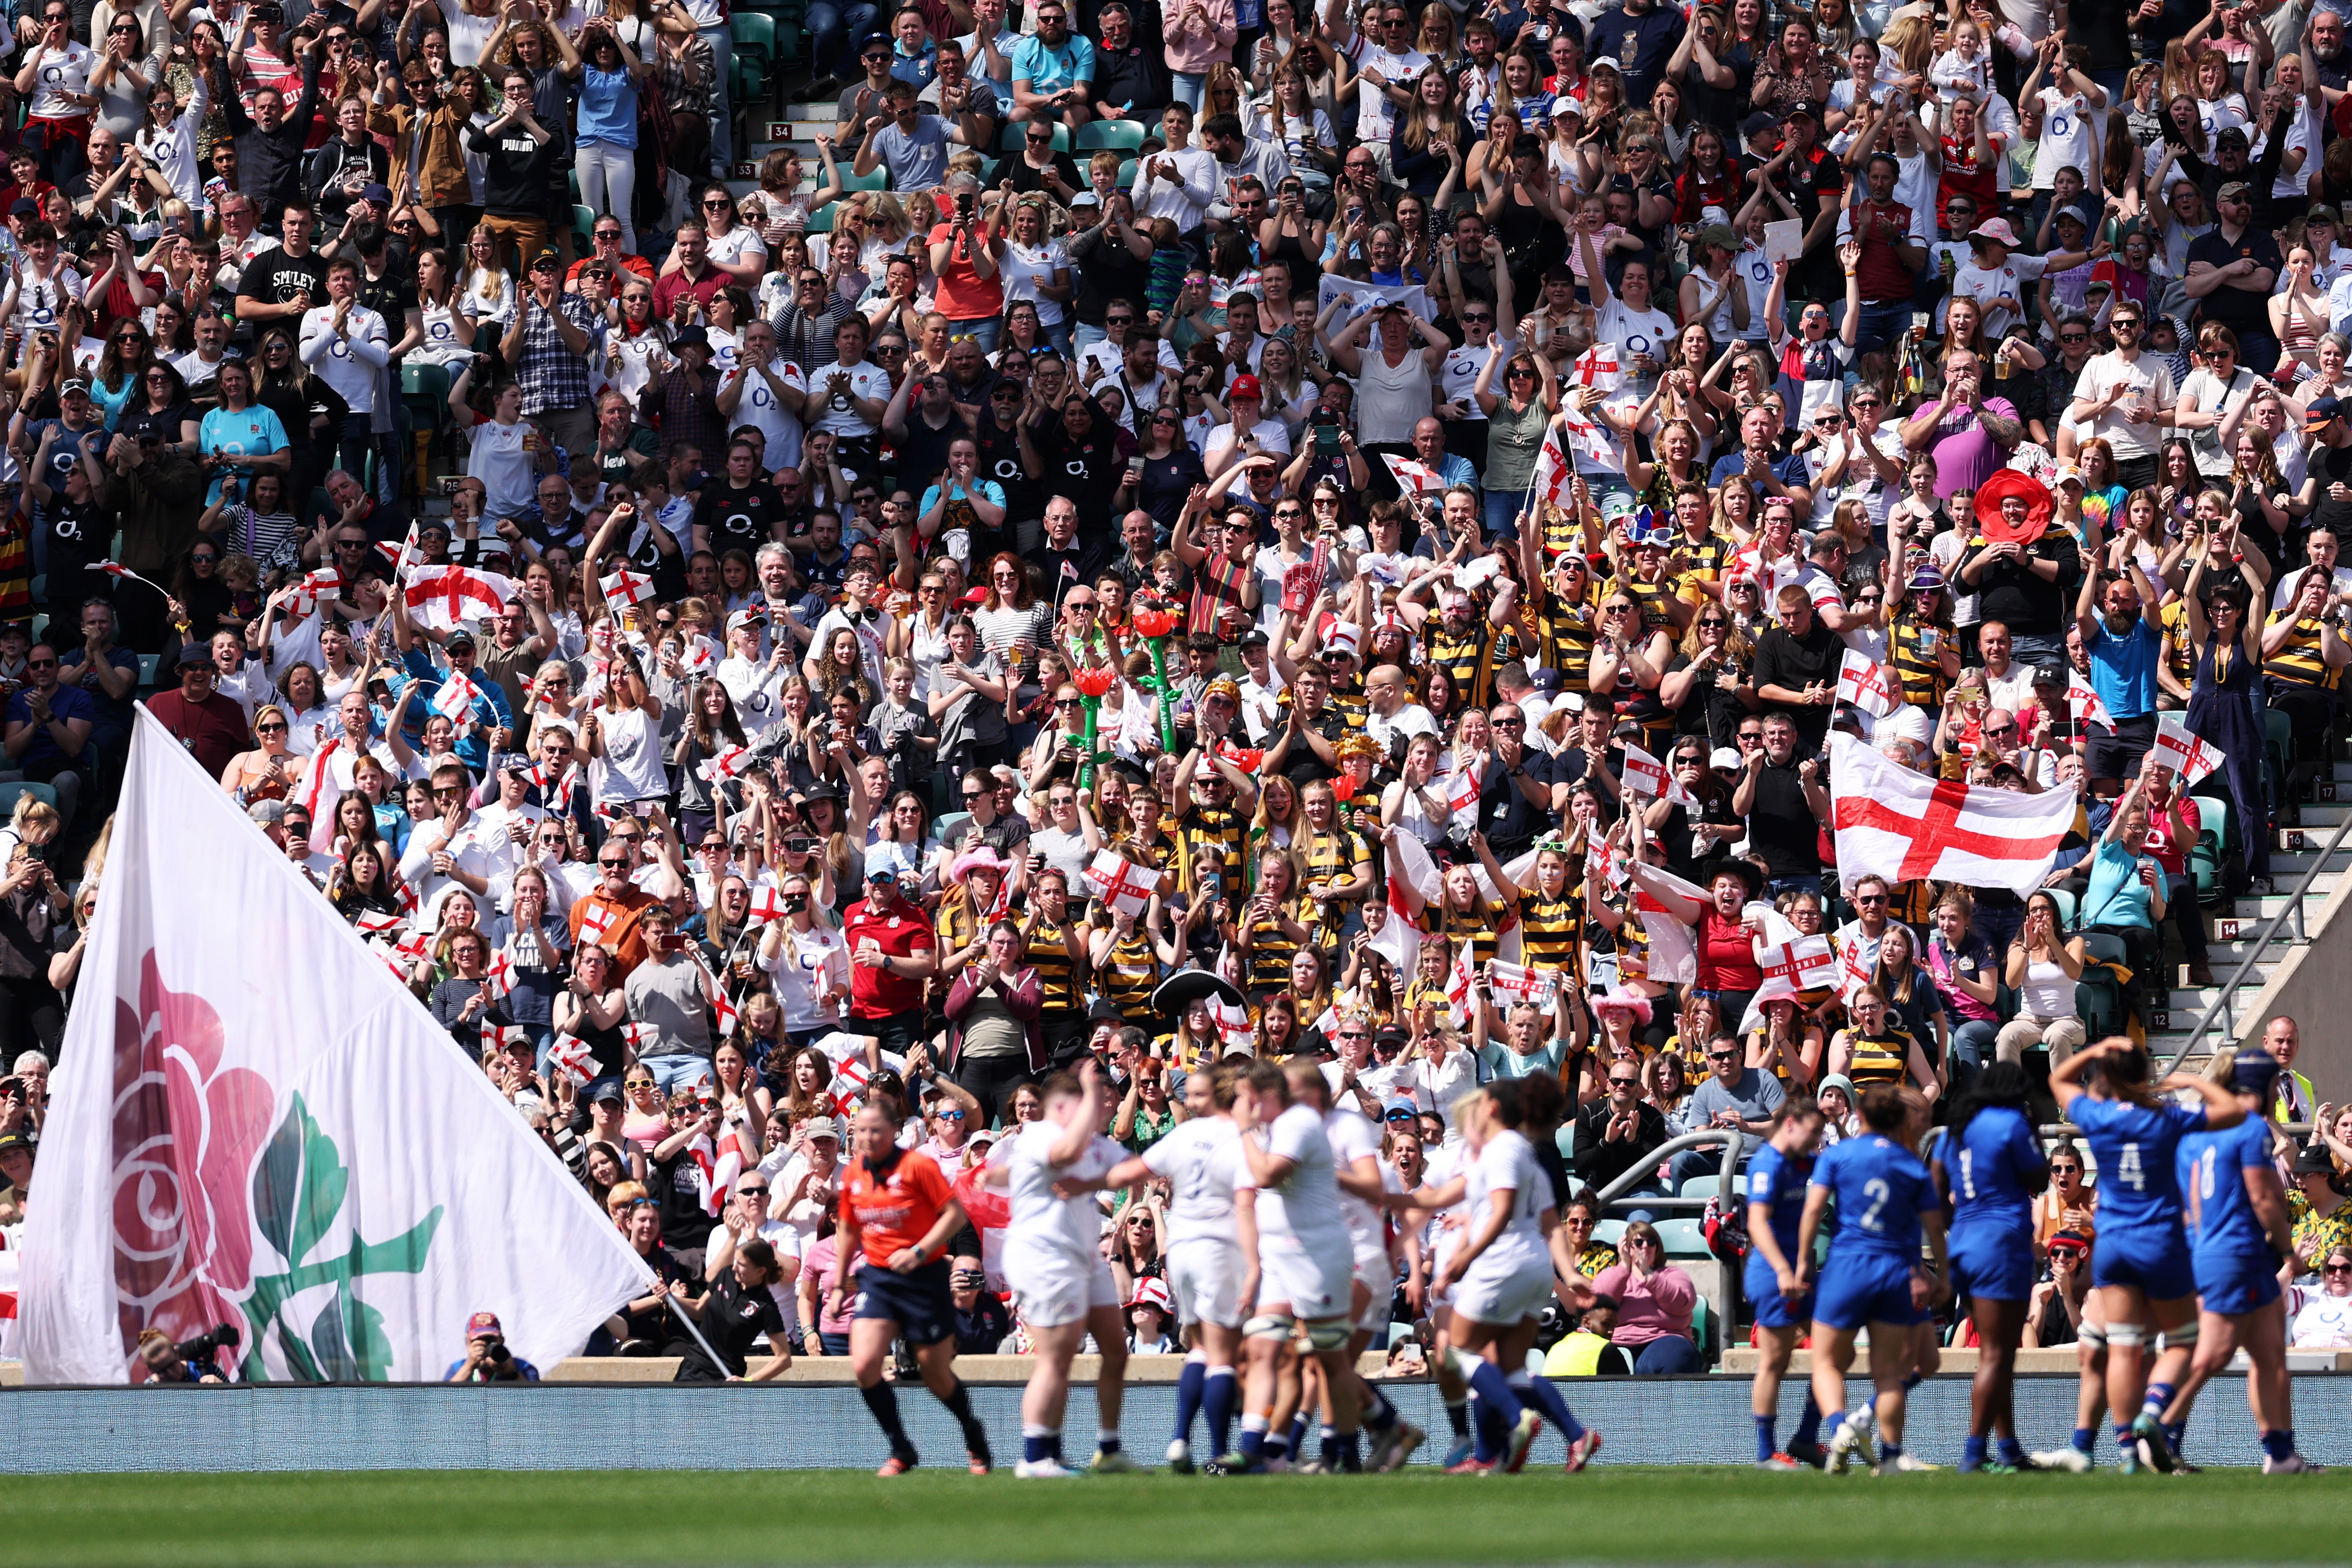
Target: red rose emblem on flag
x,y
186,1134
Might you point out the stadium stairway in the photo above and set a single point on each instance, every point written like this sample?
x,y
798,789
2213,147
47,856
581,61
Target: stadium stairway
x,y
2243,928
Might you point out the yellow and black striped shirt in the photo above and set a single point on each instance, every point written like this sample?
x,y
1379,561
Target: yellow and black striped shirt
x,y
1481,927
1213,837
1061,977
1329,858
1915,660
1878,1059
1559,636
1547,931
1467,657
1349,697
2299,661
1649,599
1271,948
1130,976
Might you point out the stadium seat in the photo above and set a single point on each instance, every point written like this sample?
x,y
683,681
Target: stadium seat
x,y
2066,907
1126,174
755,35
2098,998
1684,1236
750,79
1565,1142
950,827
148,664
1610,1232
1700,1320
879,180
15,789
583,223
1711,1186
821,220
2208,859
1118,135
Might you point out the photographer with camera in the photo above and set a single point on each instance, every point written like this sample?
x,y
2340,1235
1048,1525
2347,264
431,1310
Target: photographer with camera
x,y
189,1361
488,1360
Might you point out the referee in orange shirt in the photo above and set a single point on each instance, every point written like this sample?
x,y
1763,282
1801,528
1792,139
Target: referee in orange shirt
x,y
896,1218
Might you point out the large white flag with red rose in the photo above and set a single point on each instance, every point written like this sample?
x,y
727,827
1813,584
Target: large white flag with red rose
x,y
1901,825
253,1123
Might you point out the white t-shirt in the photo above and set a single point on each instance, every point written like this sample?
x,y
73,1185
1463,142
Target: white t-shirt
x,y
2012,279
1634,333
866,379
811,970
509,477
1353,1138
1375,112
2073,134
1025,267
737,246
2149,377
780,425
58,73
1860,481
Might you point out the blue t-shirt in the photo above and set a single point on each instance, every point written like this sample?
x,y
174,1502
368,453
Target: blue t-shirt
x,y
988,490
1788,471
2123,668
2116,896
2212,1168
240,433
1777,1181
1987,1172
65,702
2135,1146
608,108
1049,69
1882,1190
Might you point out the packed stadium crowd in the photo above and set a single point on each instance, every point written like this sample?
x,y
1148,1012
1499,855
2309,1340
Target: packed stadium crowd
x,y
857,680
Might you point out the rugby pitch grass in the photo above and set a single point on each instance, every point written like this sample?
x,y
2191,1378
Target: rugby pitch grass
x,y
1625,1515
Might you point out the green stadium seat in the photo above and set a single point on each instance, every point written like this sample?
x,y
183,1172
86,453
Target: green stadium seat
x,y
821,220
2066,907
583,223
879,180
15,789
148,664
2209,860
1118,135
755,35
1685,1237
1609,1232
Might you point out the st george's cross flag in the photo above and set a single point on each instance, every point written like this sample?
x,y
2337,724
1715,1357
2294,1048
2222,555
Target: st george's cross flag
x,y
1412,475
2184,753
1120,882
1894,823
2086,706
448,597
1863,682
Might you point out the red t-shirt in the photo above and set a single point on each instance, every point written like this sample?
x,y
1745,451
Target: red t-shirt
x,y
901,932
2172,853
898,1210
1726,954
963,294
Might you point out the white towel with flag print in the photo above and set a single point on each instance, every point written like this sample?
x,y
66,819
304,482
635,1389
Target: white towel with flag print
x,y
2186,754
318,1163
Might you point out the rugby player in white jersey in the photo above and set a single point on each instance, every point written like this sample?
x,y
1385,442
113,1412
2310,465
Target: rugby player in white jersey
x,y
1300,1263
1062,1285
1199,1159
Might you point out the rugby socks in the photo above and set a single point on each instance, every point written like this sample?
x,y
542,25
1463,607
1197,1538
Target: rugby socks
x,y
959,1403
1379,1415
1106,1440
1767,1444
1191,1385
1220,1391
1492,1390
1040,1443
1889,1452
1809,1421
1972,1452
1539,1392
1457,1417
1297,1445
2152,1404
1912,1380
2279,1444
1253,1437
1328,1437
2124,1439
2009,1450
2177,1434
1352,1454
882,1401
2085,1438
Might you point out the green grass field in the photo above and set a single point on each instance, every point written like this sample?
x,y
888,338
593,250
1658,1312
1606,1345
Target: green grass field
x,y
1629,1515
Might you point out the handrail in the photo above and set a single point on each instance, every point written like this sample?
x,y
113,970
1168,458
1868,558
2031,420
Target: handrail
x,y
2220,1006
1731,1138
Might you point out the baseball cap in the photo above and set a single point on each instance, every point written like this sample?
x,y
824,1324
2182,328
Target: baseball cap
x,y
268,813
16,1141
1086,199
459,639
1400,1105
196,654
73,384
483,1323
1760,123
546,257
373,191
2323,412
1802,109
690,336
1719,234
882,872
1245,387
25,208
